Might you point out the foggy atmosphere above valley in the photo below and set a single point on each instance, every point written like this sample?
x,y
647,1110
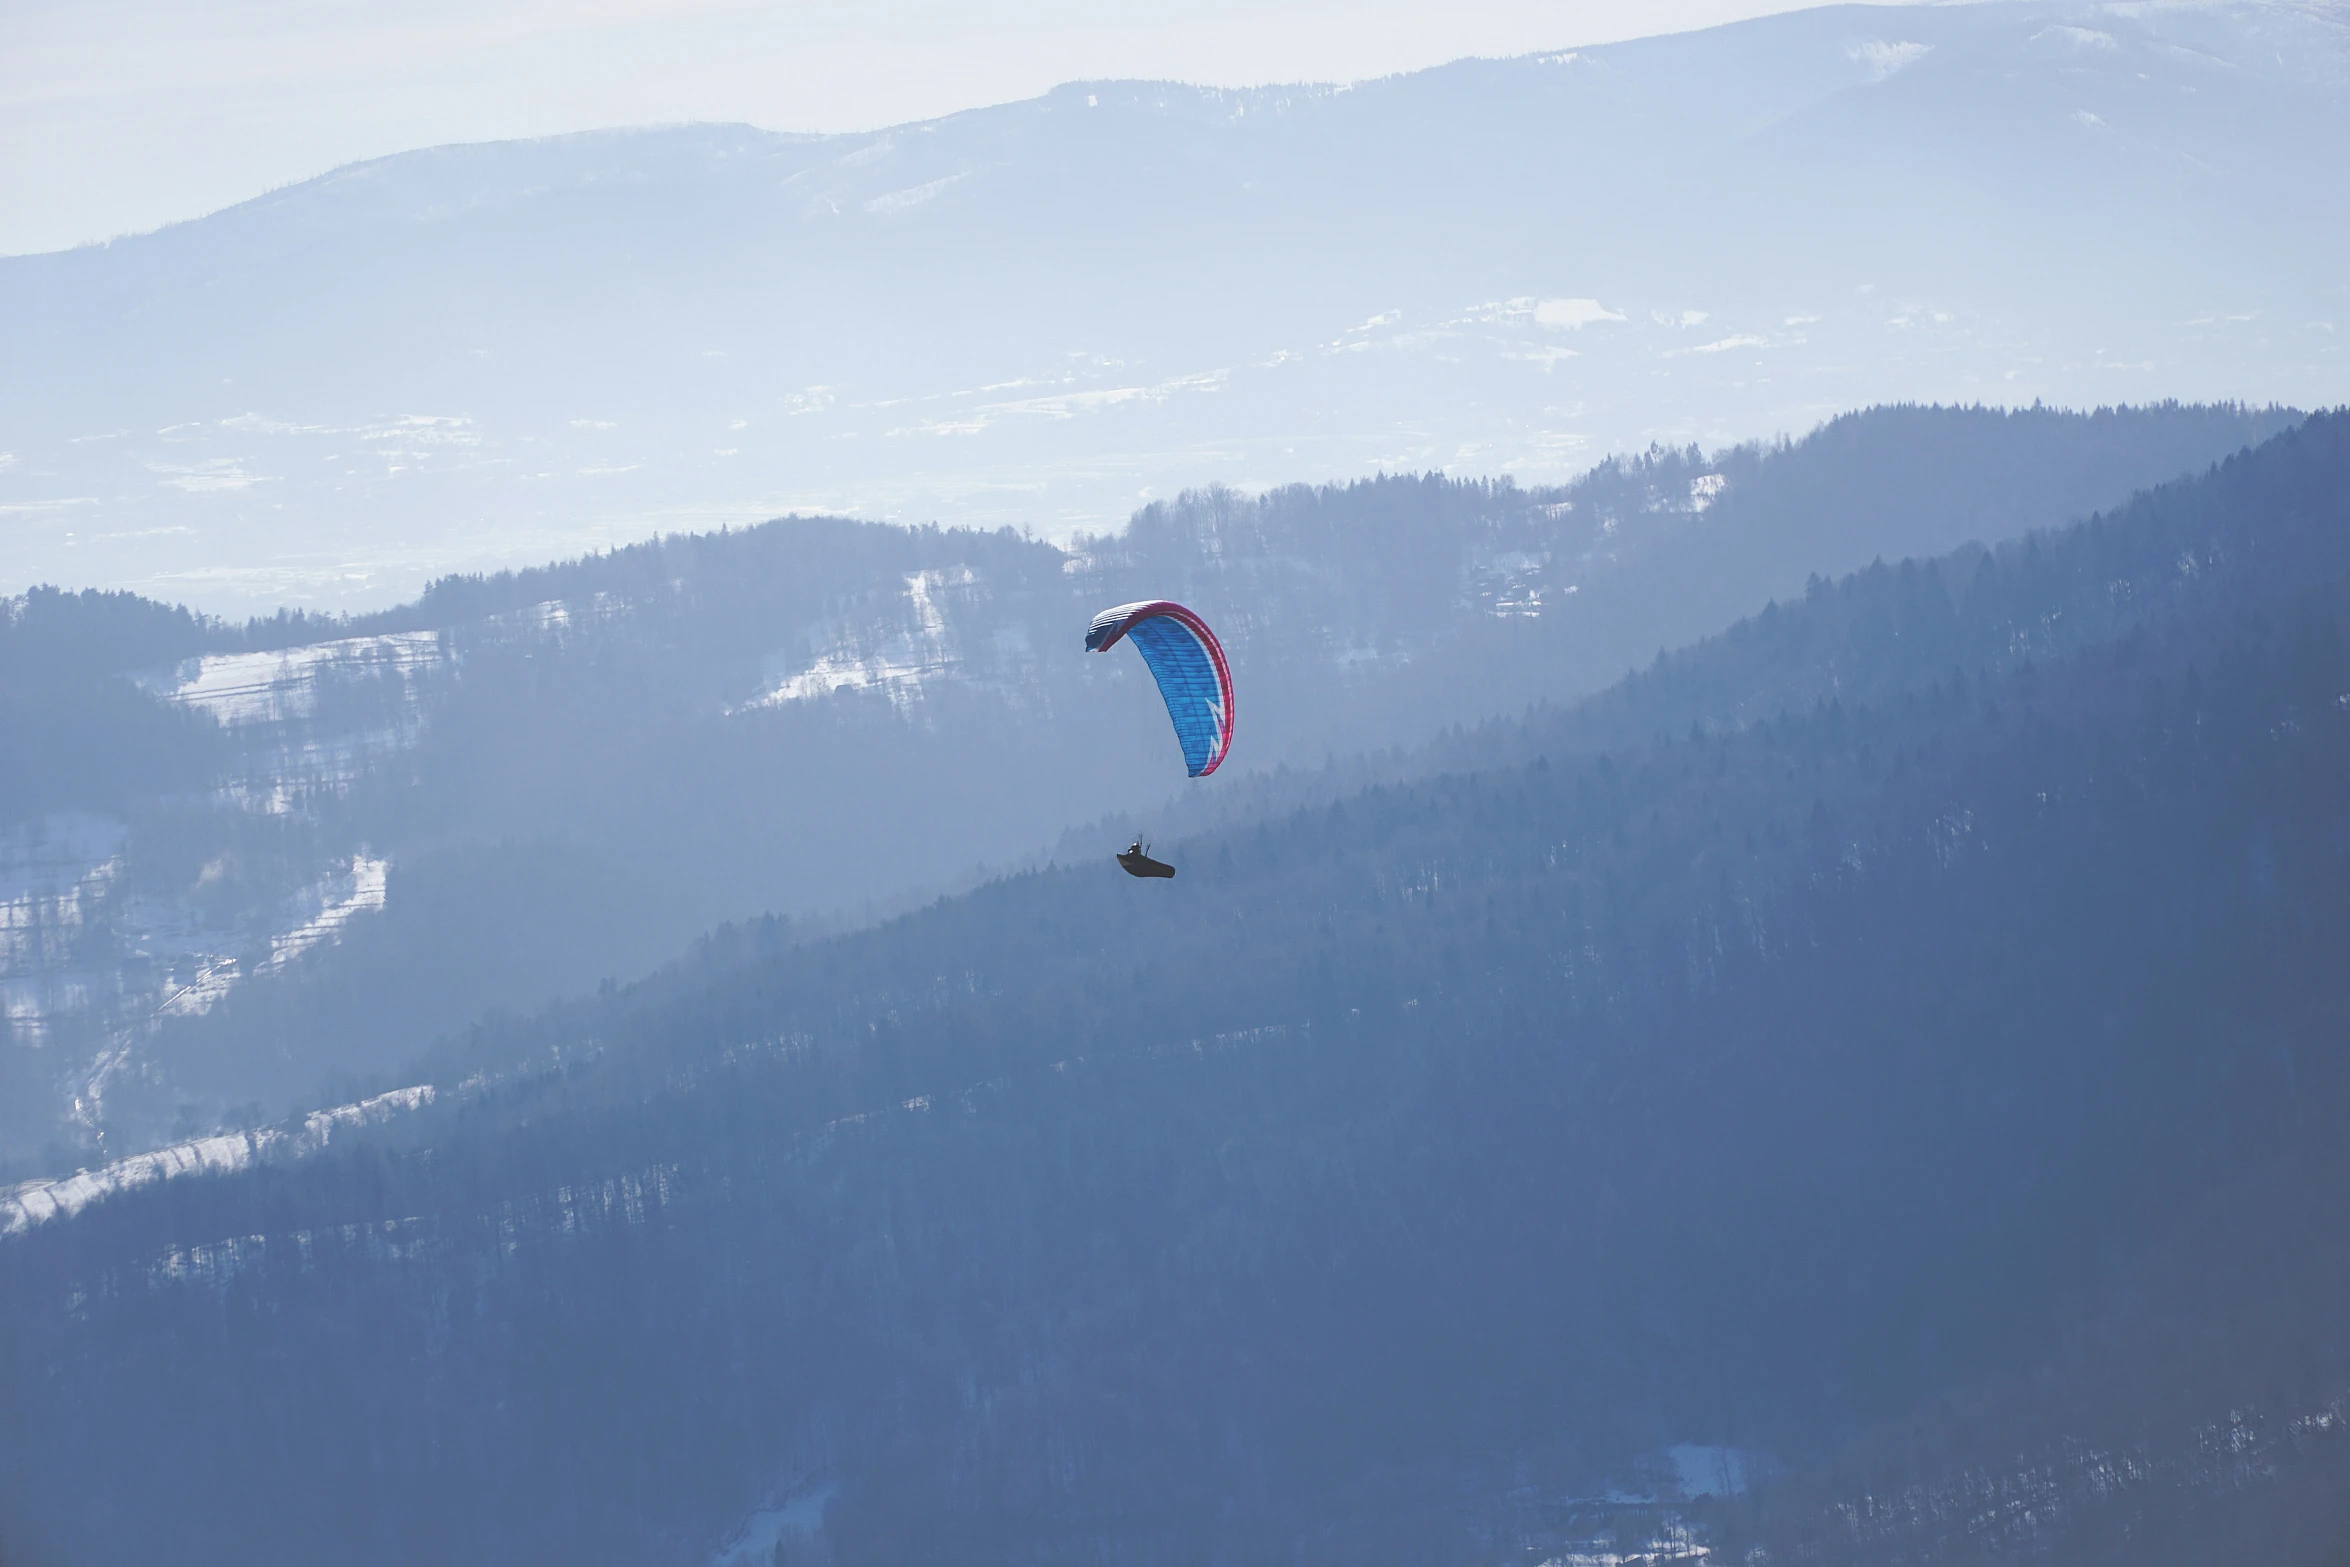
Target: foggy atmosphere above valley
x,y
1550,782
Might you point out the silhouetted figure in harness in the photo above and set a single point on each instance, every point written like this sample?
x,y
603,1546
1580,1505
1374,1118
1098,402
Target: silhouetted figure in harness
x,y
1137,862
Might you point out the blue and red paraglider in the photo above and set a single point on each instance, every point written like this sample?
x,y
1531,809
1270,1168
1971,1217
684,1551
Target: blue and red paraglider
x,y
1188,663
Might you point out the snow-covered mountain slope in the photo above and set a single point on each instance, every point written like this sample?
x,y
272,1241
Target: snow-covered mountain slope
x,y
1048,313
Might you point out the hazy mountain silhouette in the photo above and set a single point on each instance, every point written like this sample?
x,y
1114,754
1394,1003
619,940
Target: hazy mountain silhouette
x,y
1047,313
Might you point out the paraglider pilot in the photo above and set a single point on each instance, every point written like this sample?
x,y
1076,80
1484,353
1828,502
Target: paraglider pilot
x,y
1137,862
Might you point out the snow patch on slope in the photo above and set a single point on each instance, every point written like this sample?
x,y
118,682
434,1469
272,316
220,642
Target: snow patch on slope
x,y
1573,314
38,1202
900,666
263,688
1880,59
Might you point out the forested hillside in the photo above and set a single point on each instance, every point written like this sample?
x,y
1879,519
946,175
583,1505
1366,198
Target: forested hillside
x,y
1850,1041
227,852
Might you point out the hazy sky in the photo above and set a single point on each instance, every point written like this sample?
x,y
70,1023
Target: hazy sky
x,y
119,115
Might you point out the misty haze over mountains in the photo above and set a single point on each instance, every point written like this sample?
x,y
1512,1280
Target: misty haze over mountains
x,y
1864,1089
1046,314
233,851
1761,983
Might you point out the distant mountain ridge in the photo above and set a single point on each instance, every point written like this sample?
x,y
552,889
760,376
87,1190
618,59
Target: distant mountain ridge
x,y
1047,314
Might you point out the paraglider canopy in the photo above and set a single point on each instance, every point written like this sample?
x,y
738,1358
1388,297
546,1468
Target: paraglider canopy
x,y
1188,663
